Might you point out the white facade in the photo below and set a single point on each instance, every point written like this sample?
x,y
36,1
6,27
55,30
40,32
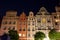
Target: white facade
x,y
43,21
31,23
9,21
56,18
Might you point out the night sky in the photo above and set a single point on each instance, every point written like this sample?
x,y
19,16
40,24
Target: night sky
x,y
27,5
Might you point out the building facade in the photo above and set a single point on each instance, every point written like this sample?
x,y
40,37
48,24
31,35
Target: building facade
x,y
43,21
27,26
56,18
31,23
22,27
9,21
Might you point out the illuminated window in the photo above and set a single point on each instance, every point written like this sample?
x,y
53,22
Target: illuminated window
x,y
20,34
43,20
24,35
57,20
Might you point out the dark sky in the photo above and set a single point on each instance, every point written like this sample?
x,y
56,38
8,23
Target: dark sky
x,y
27,5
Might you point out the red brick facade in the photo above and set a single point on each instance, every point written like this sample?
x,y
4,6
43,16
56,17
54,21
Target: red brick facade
x,y
22,27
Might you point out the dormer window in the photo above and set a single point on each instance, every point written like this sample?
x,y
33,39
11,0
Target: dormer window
x,y
48,21
31,14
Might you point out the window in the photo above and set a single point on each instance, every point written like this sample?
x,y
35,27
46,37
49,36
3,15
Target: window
x,y
32,23
13,28
32,18
20,23
31,14
20,35
24,29
33,29
28,35
24,35
36,28
33,35
4,28
5,22
28,23
54,16
28,29
20,29
49,21
10,22
56,23
39,28
43,20
24,23
49,27
24,18
14,22
9,28
38,21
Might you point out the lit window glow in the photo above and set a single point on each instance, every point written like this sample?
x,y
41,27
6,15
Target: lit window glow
x,y
57,20
44,20
23,35
19,34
